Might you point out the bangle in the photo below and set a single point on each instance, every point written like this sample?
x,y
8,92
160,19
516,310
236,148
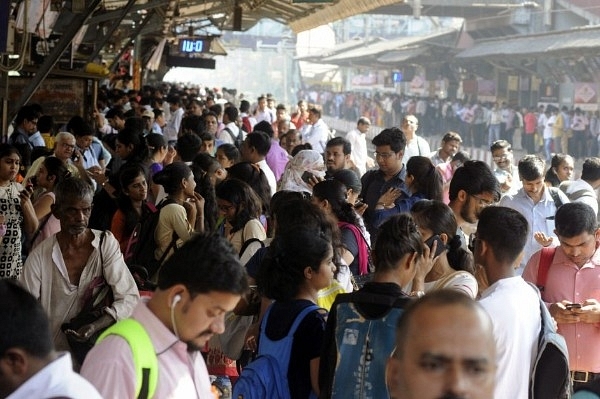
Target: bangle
x,y
417,294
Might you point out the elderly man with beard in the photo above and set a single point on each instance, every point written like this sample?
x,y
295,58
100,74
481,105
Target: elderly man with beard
x,y
66,269
472,188
197,286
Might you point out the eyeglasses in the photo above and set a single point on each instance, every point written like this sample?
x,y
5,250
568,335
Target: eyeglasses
x,y
501,158
411,122
383,155
68,146
482,201
472,240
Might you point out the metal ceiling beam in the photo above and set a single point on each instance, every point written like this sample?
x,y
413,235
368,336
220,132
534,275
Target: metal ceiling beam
x,y
113,27
107,16
52,58
134,34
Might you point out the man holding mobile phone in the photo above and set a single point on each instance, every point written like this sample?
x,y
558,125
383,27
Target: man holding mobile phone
x,y
572,287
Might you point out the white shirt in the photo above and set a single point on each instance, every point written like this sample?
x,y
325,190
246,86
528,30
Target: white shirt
x,y
359,154
172,129
317,136
55,380
514,309
537,218
224,135
417,146
270,175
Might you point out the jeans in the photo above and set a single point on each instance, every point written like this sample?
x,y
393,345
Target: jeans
x,y
493,134
548,149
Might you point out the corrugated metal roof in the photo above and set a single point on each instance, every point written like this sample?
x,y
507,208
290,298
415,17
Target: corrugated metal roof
x,y
576,40
339,10
386,46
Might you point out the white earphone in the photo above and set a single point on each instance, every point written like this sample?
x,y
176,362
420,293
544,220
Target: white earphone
x,y
176,300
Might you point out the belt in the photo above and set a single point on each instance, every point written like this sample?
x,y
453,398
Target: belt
x,y
583,376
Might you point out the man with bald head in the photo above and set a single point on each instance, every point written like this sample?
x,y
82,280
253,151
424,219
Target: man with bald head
x,y
455,358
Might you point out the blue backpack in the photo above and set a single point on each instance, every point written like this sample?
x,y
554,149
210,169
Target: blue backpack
x,y
266,376
361,347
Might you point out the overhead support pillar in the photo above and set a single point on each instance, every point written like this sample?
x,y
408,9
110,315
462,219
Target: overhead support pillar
x,y
113,27
134,35
52,58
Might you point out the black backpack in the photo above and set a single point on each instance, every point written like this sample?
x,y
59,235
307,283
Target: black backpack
x,y
139,255
237,141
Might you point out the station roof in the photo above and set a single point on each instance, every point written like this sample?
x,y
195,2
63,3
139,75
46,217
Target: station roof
x,y
574,41
374,52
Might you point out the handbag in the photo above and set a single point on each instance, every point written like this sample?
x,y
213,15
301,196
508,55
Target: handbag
x,y
92,310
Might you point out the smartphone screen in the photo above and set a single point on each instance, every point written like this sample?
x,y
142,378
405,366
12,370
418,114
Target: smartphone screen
x,y
441,247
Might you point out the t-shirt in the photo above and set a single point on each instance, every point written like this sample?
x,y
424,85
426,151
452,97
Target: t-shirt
x,y
349,242
307,341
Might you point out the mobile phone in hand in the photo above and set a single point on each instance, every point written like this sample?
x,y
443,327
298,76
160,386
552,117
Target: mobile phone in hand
x,y
306,176
571,306
441,247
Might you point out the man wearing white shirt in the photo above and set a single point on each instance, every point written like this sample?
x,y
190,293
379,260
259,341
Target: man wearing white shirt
x,y
358,141
254,149
231,131
513,305
415,145
317,133
29,365
262,112
535,201
171,131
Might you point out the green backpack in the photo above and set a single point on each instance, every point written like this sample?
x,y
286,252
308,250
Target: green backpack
x,y
144,357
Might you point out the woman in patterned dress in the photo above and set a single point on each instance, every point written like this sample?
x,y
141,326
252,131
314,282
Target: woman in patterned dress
x,y
18,212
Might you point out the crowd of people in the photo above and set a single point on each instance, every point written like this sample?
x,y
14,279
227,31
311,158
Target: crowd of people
x,y
194,233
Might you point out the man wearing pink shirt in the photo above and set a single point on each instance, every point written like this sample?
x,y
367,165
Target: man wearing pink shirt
x,y
197,286
574,278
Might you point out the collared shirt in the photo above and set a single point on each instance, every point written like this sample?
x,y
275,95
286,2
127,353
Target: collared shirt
x,y
417,146
436,159
358,155
316,135
56,379
36,140
277,158
181,374
224,135
46,277
171,131
373,186
540,217
270,175
516,183
568,282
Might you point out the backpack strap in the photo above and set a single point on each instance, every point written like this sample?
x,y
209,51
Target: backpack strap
x,y
546,258
363,250
145,360
297,320
247,244
301,317
555,197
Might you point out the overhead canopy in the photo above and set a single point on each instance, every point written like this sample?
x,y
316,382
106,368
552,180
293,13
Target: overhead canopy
x,y
576,41
378,52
